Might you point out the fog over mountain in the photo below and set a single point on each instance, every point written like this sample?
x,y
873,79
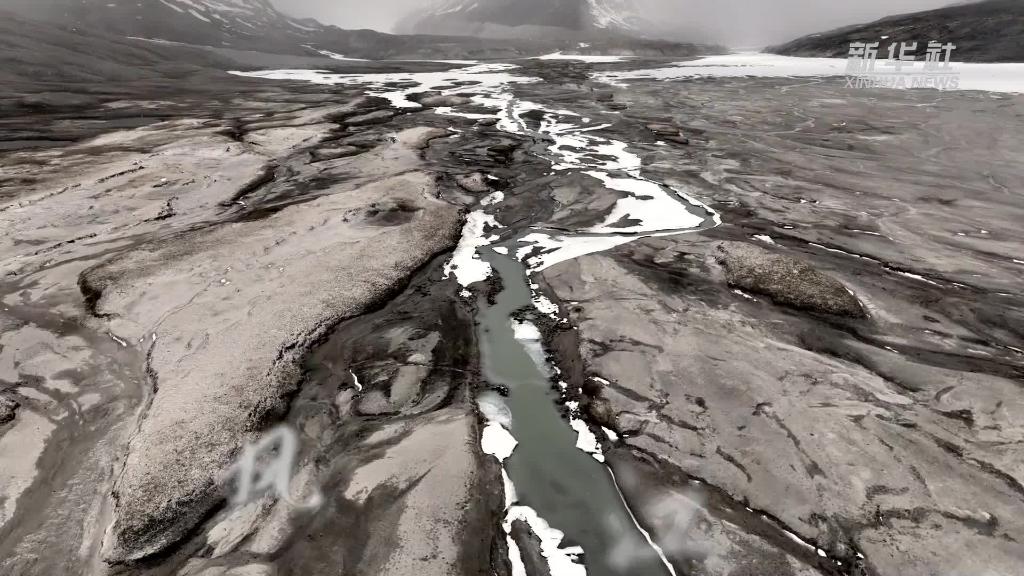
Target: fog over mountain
x,y
740,23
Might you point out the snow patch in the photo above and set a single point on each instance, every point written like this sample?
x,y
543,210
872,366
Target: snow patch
x,y
200,16
466,263
545,306
647,203
335,55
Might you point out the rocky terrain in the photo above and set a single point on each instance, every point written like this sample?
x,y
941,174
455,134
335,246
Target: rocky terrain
x,y
985,31
841,354
524,316
225,219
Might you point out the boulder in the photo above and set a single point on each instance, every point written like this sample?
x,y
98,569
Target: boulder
x,y
475,183
444,101
786,280
8,410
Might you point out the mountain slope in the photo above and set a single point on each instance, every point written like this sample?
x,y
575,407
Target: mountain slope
x,y
244,24
527,18
44,56
253,25
989,31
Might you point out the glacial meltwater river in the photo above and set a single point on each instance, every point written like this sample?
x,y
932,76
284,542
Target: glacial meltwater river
x,y
555,479
556,484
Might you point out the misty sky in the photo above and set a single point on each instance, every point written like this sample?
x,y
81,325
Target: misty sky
x,y
739,23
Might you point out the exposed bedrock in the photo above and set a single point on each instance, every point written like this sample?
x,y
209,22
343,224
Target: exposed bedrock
x,y
790,414
227,312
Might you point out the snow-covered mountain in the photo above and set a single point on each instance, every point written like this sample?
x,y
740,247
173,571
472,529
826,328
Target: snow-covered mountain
x,y
527,18
616,14
250,25
257,26
244,24
239,15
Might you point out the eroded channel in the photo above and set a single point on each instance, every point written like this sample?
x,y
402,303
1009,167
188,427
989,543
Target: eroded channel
x,y
555,481
552,485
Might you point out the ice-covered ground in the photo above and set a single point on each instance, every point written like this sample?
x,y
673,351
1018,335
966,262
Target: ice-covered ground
x,y
595,59
486,79
1003,77
648,208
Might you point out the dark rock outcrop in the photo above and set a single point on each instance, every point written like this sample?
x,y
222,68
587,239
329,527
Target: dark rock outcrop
x,y
8,410
529,549
989,31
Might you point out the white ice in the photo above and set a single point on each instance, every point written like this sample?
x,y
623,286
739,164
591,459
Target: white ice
x,y
557,248
489,78
648,203
515,558
497,441
561,561
586,440
991,77
466,263
494,409
582,57
529,336
525,331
